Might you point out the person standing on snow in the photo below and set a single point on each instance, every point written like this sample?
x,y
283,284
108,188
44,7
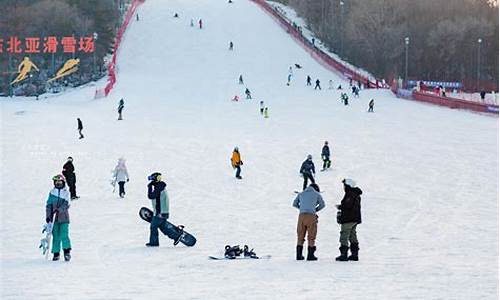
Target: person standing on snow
x,y
261,107
121,105
370,105
56,212
200,23
330,84
349,216
236,162
160,202
308,202
317,86
240,80
231,45
308,80
70,177
120,175
307,170
247,92
289,79
80,127
325,155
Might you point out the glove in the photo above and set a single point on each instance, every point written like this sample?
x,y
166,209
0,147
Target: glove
x,y
241,163
47,220
128,179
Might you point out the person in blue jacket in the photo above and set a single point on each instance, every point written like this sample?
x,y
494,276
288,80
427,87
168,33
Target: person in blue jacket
x,y
56,212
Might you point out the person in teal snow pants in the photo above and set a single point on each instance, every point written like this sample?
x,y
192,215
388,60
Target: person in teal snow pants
x,y
57,213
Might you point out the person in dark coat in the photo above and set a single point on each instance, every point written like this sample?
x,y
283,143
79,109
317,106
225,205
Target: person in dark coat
x,y
325,155
158,195
483,95
121,105
247,92
307,170
308,80
80,127
69,173
370,105
317,86
231,46
349,216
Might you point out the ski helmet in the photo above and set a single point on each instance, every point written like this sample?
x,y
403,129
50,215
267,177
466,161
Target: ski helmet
x,y
349,182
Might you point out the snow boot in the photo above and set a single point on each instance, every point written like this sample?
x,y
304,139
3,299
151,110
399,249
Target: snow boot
x,y
354,252
56,256
152,245
249,253
310,253
299,252
343,253
67,255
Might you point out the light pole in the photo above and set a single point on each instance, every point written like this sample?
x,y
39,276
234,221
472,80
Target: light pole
x,y
479,41
341,28
407,43
95,48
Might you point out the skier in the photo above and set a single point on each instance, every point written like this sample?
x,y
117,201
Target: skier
x,y
330,84
80,127
231,45
289,79
345,98
121,105
308,80
308,202
69,174
307,170
317,86
200,23
370,105
160,202
325,155
56,212
236,162
349,216
266,112
261,107
240,79
247,92
120,175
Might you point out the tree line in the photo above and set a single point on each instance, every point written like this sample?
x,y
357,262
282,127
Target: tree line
x,y
447,40
60,18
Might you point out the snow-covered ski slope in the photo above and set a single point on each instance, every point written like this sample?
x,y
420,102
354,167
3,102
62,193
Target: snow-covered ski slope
x,y
429,175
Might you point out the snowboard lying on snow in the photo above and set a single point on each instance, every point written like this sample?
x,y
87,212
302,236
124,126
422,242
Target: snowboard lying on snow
x,y
176,233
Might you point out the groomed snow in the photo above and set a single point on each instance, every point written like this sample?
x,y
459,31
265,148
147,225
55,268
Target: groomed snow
x,y
429,175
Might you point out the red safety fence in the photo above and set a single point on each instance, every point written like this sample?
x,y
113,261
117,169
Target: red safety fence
x,y
119,36
320,56
454,102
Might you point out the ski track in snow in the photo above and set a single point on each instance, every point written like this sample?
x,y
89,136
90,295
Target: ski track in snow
x,y
429,175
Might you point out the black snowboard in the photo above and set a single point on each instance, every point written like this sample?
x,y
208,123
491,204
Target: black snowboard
x,y
176,233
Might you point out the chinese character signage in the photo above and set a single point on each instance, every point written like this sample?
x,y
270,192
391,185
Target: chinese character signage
x,y
49,44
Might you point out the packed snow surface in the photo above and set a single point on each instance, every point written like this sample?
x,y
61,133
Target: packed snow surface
x,y
429,175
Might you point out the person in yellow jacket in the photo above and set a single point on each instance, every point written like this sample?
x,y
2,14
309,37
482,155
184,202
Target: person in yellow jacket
x,y
236,162
23,69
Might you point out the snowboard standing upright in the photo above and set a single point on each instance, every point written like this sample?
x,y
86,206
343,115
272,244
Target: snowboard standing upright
x,y
45,242
176,233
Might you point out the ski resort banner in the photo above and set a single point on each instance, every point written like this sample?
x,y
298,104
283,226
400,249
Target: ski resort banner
x,y
48,44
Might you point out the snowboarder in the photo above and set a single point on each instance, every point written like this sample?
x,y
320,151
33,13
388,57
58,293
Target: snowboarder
x,y
307,170
160,202
200,23
317,86
266,112
121,105
236,162
247,92
70,177
231,45
325,155
120,175
56,212
289,79
308,80
80,127
240,79
308,202
330,84
370,105
261,107
349,216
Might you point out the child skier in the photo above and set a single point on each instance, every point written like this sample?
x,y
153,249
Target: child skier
x,y
120,175
160,202
56,212
236,162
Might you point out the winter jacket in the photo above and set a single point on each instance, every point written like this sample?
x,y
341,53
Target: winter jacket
x,y
159,197
350,206
120,173
80,124
236,159
309,201
56,209
69,172
325,151
307,167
